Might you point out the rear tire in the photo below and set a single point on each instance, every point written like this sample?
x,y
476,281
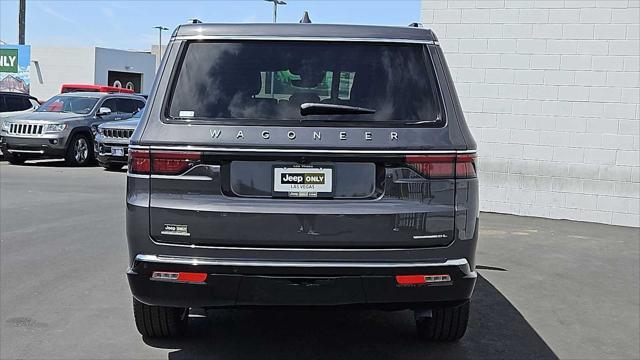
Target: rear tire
x,y
14,159
79,151
446,324
160,321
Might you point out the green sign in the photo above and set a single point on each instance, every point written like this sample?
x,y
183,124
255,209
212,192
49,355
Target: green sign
x,y
9,60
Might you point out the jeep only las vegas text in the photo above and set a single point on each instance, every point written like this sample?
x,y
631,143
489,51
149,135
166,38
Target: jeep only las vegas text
x,y
302,165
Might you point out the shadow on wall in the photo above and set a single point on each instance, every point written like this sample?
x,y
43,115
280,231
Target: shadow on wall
x,y
496,331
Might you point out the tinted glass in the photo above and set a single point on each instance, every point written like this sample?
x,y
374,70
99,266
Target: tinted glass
x,y
17,103
65,103
263,80
129,105
112,104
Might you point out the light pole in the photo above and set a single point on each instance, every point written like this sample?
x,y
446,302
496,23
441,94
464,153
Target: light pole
x,y
275,20
275,8
22,10
160,30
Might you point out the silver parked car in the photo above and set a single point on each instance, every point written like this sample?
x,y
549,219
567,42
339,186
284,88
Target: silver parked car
x,y
62,126
112,142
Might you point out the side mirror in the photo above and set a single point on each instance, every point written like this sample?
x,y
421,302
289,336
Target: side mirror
x,y
103,111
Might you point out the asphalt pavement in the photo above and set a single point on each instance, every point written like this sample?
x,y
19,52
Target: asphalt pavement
x,y
571,289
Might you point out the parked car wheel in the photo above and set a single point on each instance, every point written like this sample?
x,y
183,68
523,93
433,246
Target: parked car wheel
x,y
79,151
160,321
15,159
445,324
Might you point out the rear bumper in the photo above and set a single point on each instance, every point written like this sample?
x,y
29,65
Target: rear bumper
x,y
233,282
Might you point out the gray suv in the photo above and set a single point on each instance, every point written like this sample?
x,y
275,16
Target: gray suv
x,y
112,141
64,126
302,165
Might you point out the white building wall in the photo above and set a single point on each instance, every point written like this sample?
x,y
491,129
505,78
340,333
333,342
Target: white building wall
x,y
128,61
53,66
550,89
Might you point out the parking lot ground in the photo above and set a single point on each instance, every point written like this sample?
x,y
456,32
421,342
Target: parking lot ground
x,y
571,289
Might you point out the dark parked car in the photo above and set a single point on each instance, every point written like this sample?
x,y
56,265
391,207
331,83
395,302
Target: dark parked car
x,y
112,141
302,165
62,126
12,103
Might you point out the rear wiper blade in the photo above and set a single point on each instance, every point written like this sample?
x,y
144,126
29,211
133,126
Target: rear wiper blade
x,y
422,122
332,109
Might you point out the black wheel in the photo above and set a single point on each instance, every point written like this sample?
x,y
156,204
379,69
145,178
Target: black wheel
x,y
446,324
160,321
79,151
111,166
15,159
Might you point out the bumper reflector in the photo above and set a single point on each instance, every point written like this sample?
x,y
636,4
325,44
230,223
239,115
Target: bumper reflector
x,y
187,277
421,279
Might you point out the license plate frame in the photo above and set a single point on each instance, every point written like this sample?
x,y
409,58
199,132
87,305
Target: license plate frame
x,y
117,151
311,185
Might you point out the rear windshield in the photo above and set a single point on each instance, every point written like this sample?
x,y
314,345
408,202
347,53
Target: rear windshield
x,y
268,81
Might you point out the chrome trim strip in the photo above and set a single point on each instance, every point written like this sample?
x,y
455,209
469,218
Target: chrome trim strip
x,y
26,151
436,236
183,260
182,177
315,151
139,176
213,247
109,154
299,38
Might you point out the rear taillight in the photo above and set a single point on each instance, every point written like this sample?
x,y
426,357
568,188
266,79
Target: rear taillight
x,y
422,279
461,166
162,162
139,162
185,277
466,166
173,162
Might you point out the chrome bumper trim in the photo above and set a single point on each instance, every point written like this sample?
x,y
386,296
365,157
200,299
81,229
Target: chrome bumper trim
x,y
463,264
26,151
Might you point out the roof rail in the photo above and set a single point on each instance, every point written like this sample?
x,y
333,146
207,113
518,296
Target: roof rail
x,y
415,25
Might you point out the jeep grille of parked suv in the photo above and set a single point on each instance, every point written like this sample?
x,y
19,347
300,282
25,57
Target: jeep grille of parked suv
x,y
302,164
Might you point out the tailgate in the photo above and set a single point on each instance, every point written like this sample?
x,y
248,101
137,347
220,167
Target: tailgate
x,y
350,201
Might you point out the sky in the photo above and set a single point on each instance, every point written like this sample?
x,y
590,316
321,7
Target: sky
x,y
128,24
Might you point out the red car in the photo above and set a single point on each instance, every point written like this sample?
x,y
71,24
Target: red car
x,y
93,88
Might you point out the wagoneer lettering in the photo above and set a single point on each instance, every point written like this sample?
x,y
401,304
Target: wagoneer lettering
x,y
338,160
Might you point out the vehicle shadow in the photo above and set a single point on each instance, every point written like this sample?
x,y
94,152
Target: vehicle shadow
x,y
496,331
